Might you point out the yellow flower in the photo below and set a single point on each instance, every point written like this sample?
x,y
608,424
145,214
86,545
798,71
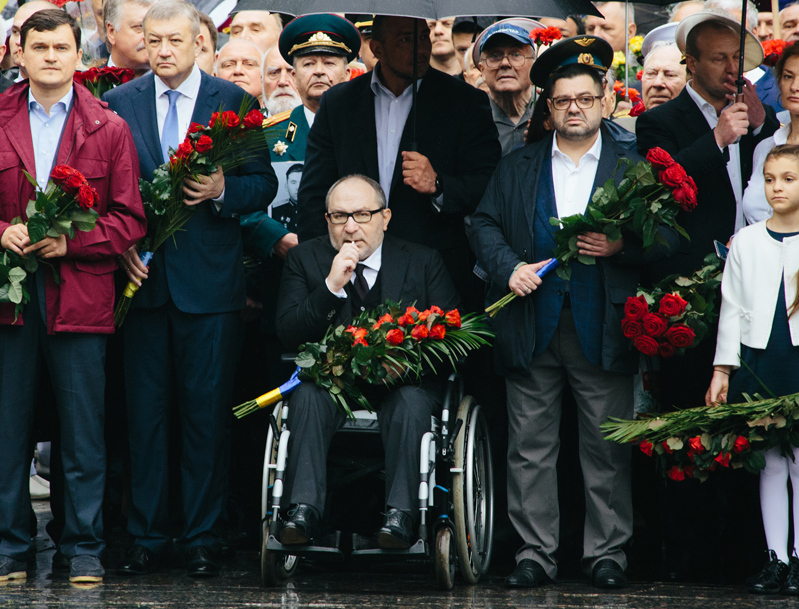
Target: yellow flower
x,y
635,44
618,60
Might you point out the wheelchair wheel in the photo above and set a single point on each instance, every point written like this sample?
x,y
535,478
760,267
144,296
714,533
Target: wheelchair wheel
x,y
445,559
275,568
473,493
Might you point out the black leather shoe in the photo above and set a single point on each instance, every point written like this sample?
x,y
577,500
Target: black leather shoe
x,y
200,563
138,561
771,579
397,531
792,581
528,574
301,527
608,574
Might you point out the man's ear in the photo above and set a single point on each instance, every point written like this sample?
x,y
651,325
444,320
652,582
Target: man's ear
x,y
198,44
386,218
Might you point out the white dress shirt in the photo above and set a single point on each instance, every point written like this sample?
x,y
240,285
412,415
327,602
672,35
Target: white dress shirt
x,y
734,164
309,116
755,205
46,133
372,264
574,184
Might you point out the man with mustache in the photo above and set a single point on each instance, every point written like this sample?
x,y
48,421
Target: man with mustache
x,y
280,93
123,23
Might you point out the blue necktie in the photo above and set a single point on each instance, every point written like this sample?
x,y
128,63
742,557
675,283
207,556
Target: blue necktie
x,y
169,137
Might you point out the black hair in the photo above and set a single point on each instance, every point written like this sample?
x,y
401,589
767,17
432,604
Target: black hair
x,y
574,70
539,121
296,168
47,21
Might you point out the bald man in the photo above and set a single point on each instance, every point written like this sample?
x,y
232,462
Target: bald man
x,y
261,27
239,62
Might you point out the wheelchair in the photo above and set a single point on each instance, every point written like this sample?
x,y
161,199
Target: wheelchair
x,y
456,495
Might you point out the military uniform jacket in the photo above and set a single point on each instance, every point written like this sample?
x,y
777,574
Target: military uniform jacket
x,y
287,134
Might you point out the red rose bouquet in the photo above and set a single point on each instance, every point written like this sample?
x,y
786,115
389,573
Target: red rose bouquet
x,y
773,50
230,140
380,347
545,36
65,205
101,80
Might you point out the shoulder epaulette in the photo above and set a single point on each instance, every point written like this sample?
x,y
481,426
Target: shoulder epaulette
x,y
276,118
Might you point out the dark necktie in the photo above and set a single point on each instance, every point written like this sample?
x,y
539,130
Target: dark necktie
x,y
361,287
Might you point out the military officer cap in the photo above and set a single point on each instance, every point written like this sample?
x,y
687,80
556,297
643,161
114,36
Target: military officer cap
x,y
363,23
589,51
324,33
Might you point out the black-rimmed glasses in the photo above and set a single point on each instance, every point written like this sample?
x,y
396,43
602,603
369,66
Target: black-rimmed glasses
x,y
361,217
584,102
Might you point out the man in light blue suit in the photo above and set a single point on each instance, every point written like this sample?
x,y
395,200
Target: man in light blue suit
x,y
181,333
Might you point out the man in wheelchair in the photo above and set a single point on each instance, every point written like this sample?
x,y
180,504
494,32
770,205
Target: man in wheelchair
x,y
329,280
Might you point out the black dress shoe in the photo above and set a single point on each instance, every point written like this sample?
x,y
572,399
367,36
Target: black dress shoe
x,y
528,574
771,579
301,527
397,531
138,561
608,574
792,581
200,563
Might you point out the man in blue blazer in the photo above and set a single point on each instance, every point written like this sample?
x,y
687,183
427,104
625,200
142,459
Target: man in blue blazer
x,y
181,332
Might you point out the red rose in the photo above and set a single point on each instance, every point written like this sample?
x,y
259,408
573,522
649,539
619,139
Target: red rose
x,y
646,345
86,196
696,445
358,337
659,158
636,308
360,341
676,473
204,144
125,75
73,183
405,320
424,315
638,109
453,318
419,332
61,173
184,150
741,444
395,337
667,448
647,447
685,195
351,329
723,459
672,305
631,328
438,331
386,319
214,118
253,120
633,94
673,176
196,128
665,350
655,324
437,311
680,336
231,119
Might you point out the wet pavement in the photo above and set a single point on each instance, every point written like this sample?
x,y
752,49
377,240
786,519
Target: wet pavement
x,y
368,586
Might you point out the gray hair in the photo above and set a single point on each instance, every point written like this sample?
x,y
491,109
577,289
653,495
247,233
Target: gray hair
x,y
165,10
380,196
112,10
630,9
261,56
675,8
735,5
661,44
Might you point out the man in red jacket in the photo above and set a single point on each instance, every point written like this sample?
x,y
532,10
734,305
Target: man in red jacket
x,y
44,122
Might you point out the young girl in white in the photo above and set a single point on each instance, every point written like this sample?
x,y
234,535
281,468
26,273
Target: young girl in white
x,y
759,324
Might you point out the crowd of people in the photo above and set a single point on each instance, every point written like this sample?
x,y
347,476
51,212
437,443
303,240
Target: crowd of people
x,y
373,186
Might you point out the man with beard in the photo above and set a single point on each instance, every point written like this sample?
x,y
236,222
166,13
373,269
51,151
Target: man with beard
x,y
280,95
559,329
123,22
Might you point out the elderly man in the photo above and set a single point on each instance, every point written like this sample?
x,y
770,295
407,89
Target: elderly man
x,y
123,22
318,63
181,332
239,62
329,280
40,121
612,28
280,93
207,56
765,26
789,22
261,27
20,17
663,76
444,57
681,10
506,56
363,126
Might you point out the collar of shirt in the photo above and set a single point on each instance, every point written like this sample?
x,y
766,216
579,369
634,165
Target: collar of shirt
x,y
110,63
189,87
309,116
573,184
378,88
704,106
46,133
61,104
593,152
372,264
500,116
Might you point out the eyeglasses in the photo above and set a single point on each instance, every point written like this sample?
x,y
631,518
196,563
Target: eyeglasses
x,y
583,102
516,59
361,217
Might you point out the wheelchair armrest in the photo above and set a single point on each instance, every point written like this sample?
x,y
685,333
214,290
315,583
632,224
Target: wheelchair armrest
x,y
288,358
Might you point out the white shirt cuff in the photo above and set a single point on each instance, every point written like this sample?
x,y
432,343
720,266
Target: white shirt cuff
x,y
219,200
759,129
340,294
438,202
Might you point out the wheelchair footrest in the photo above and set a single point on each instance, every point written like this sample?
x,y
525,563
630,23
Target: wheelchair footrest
x,y
365,548
314,551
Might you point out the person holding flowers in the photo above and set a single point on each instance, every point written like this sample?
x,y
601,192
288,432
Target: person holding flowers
x,y
759,331
560,329
183,325
64,139
328,281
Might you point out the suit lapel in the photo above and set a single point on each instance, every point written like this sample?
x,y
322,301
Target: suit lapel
x,y
691,115
368,135
208,101
324,254
144,107
393,275
423,124
608,159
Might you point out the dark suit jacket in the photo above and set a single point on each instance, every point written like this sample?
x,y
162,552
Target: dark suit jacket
x,y
503,235
202,269
455,130
306,308
680,128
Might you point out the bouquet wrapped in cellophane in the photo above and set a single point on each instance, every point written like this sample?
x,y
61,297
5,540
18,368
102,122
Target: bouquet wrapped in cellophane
x,y
64,206
230,140
380,347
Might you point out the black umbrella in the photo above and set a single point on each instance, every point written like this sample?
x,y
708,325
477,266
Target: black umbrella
x,y
425,9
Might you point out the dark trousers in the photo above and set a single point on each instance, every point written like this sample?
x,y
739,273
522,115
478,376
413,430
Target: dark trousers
x,y
76,363
534,412
404,417
192,357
